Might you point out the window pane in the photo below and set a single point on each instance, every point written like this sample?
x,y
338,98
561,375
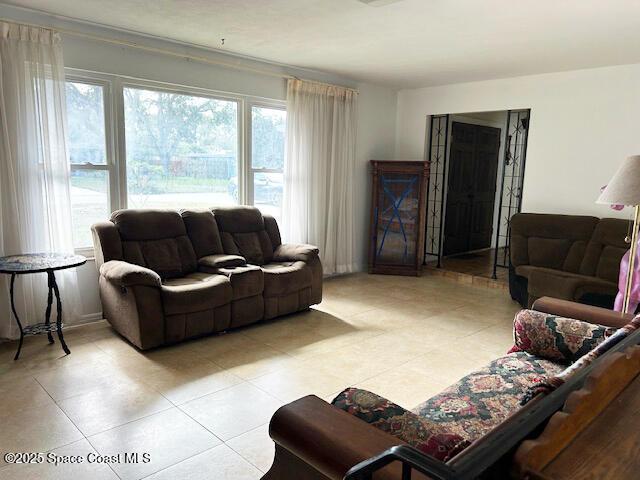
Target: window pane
x,y
89,203
85,116
181,150
268,126
267,192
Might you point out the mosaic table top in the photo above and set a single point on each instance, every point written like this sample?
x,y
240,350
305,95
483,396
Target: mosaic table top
x,y
39,262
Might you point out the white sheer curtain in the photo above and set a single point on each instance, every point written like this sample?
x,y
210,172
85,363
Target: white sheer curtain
x,y
35,207
318,195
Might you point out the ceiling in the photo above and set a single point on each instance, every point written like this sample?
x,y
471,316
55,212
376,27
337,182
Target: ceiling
x,y
405,43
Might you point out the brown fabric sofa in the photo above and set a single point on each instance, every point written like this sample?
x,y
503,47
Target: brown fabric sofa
x,y
571,257
166,276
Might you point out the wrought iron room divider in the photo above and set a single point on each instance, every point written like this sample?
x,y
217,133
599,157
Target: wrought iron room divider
x,y
437,154
510,186
515,156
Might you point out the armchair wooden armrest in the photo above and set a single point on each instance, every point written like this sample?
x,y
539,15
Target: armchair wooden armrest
x,y
317,441
586,313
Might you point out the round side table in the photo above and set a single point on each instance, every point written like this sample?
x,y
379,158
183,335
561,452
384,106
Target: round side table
x,y
40,263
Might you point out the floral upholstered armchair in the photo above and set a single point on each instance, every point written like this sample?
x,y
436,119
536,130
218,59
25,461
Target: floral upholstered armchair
x,y
317,440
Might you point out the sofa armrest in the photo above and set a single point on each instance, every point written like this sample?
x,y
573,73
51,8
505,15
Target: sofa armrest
x,y
127,274
579,311
295,252
222,261
317,440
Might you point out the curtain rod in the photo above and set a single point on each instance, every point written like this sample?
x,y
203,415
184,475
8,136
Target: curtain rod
x,y
185,56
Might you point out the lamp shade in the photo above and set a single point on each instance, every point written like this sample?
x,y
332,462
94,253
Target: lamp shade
x,y
624,187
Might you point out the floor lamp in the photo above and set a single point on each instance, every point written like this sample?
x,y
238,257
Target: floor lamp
x,y
624,189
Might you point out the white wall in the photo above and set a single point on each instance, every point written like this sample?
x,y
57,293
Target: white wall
x,y
583,124
376,105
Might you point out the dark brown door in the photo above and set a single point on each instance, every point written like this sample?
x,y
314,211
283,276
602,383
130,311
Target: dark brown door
x,y
473,167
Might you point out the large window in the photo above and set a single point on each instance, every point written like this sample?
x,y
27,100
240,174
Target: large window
x,y
268,127
182,150
138,144
88,155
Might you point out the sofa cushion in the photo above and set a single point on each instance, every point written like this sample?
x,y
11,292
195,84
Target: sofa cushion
x,y
553,240
250,247
428,437
483,399
240,219
605,249
147,224
156,239
203,232
281,278
555,338
195,292
246,281
244,233
565,285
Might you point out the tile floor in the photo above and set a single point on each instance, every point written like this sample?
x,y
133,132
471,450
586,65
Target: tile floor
x,y
201,408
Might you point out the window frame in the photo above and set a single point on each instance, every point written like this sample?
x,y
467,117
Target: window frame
x,y
110,165
115,137
250,170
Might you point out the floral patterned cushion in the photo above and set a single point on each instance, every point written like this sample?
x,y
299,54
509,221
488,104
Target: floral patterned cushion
x,y
446,424
429,437
483,399
555,338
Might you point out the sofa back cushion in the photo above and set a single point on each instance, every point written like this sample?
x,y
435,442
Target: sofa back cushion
x,y
605,249
156,239
203,232
243,233
550,241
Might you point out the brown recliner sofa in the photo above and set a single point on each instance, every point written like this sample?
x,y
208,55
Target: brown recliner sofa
x,y
166,276
571,257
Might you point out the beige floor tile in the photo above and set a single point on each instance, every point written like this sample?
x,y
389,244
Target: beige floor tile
x,y
233,411
18,393
218,463
356,363
66,382
292,383
183,385
48,470
36,429
404,385
109,407
169,437
252,362
446,366
38,355
255,446
497,335
343,306
219,344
